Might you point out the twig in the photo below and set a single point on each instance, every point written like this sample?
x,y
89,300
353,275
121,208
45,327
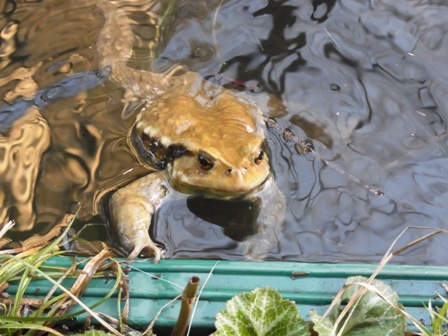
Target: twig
x,y
331,37
215,20
151,325
444,286
200,293
188,299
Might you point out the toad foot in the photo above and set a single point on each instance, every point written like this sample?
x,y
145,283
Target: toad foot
x,y
131,210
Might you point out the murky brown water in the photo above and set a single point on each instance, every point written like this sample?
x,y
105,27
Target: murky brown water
x,y
365,81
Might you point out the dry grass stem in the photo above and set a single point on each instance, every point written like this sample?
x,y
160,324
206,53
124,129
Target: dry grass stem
x,y
6,228
154,320
188,300
351,305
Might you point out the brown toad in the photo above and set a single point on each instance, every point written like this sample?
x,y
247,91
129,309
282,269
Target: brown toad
x,y
201,139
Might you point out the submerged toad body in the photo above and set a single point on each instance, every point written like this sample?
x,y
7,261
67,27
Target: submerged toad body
x,y
201,139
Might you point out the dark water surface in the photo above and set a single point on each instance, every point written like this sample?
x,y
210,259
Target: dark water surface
x,y
366,82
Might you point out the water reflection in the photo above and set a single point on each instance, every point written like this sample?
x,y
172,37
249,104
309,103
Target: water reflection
x,y
365,82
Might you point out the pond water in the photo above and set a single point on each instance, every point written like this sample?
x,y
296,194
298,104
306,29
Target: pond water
x,y
363,83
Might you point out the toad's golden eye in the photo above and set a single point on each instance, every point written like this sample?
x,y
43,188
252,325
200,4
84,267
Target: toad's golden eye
x,y
260,157
205,161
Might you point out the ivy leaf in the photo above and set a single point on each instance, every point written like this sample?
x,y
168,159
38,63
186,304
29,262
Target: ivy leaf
x,y
261,312
371,316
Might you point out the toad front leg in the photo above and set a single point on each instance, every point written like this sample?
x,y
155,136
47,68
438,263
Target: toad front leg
x,y
131,210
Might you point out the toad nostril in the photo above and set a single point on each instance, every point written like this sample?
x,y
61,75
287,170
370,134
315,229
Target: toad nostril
x,y
229,171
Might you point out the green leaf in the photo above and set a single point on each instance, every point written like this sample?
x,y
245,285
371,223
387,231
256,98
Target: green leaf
x,y
261,312
372,315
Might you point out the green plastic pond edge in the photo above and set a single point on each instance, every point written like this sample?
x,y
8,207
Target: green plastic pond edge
x,y
309,285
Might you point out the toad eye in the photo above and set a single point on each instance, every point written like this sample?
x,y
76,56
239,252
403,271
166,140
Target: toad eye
x,y
259,158
205,161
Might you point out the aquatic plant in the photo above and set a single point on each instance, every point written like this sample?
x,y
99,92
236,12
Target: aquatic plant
x,y
364,306
31,314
